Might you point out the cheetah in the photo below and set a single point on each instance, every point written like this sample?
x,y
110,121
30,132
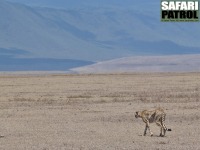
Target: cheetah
x,y
153,116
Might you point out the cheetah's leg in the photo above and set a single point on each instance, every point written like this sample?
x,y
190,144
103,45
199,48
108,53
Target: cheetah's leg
x,y
164,128
163,124
147,126
161,128
145,130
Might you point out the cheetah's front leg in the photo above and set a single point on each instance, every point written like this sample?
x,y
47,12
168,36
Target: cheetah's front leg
x,y
147,126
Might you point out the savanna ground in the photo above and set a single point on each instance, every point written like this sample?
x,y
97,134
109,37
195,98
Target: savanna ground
x,y
96,112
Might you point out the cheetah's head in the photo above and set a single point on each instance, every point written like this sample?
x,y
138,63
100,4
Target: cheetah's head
x,y
137,114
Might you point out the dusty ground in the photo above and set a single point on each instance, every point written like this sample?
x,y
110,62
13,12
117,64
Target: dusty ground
x,y
96,112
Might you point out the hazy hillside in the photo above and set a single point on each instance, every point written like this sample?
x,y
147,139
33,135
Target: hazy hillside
x,y
175,63
47,35
71,4
91,33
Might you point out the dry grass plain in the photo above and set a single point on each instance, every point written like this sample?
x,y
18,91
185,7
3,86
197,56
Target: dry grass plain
x,y
96,112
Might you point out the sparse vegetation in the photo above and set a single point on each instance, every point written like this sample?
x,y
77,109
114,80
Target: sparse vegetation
x,y
91,111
